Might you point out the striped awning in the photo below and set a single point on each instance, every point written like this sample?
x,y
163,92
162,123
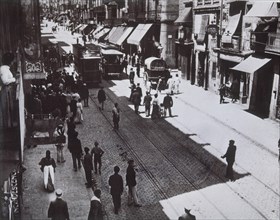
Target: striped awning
x,y
116,35
125,35
138,33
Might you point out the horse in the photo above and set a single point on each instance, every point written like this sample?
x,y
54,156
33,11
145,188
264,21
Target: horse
x,y
187,215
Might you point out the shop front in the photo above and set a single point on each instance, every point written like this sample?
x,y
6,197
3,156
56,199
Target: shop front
x,y
256,84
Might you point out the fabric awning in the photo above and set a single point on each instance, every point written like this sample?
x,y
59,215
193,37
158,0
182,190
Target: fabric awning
x,y
102,33
97,30
110,33
263,9
251,64
76,28
231,28
88,29
83,27
111,52
201,22
125,34
185,17
138,33
117,34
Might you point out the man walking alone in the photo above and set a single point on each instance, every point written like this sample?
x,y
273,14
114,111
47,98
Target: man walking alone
x,y
116,183
230,158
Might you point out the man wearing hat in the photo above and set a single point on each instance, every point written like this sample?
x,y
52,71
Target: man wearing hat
x,y
167,104
116,184
131,183
131,75
58,209
230,158
97,153
147,103
75,149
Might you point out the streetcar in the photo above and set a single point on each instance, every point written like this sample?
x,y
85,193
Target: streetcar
x,y
87,63
111,62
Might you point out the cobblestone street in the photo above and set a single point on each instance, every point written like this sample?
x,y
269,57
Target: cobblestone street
x,y
178,158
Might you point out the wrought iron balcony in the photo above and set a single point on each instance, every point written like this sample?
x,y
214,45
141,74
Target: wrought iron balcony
x,y
273,43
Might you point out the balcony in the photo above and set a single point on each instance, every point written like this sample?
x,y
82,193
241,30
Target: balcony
x,y
273,43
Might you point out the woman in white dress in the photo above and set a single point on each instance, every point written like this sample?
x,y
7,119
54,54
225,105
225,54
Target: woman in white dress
x,y
79,114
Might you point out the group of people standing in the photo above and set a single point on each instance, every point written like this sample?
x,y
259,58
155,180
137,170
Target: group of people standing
x,y
58,209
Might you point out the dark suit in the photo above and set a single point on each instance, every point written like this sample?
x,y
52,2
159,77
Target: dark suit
x,y
230,158
116,183
95,212
88,166
58,210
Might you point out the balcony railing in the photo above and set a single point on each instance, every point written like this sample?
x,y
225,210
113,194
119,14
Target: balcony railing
x,y
202,3
273,42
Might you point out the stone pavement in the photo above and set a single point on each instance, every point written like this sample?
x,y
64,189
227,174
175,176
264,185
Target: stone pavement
x,y
198,112
199,115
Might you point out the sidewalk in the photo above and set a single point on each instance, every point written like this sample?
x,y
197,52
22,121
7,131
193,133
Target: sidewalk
x,y
198,114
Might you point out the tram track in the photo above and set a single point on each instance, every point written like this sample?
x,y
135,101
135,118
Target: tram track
x,y
152,177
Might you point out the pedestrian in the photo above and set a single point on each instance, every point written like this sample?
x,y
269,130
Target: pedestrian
x,y
222,92
96,210
124,65
97,153
131,75
147,103
133,59
171,85
132,89
116,116
136,100
230,158
75,149
48,168
7,90
138,69
234,90
73,106
79,114
156,108
58,209
116,184
167,104
84,38
139,90
159,85
59,146
131,183
88,166
85,94
177,82
101,96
